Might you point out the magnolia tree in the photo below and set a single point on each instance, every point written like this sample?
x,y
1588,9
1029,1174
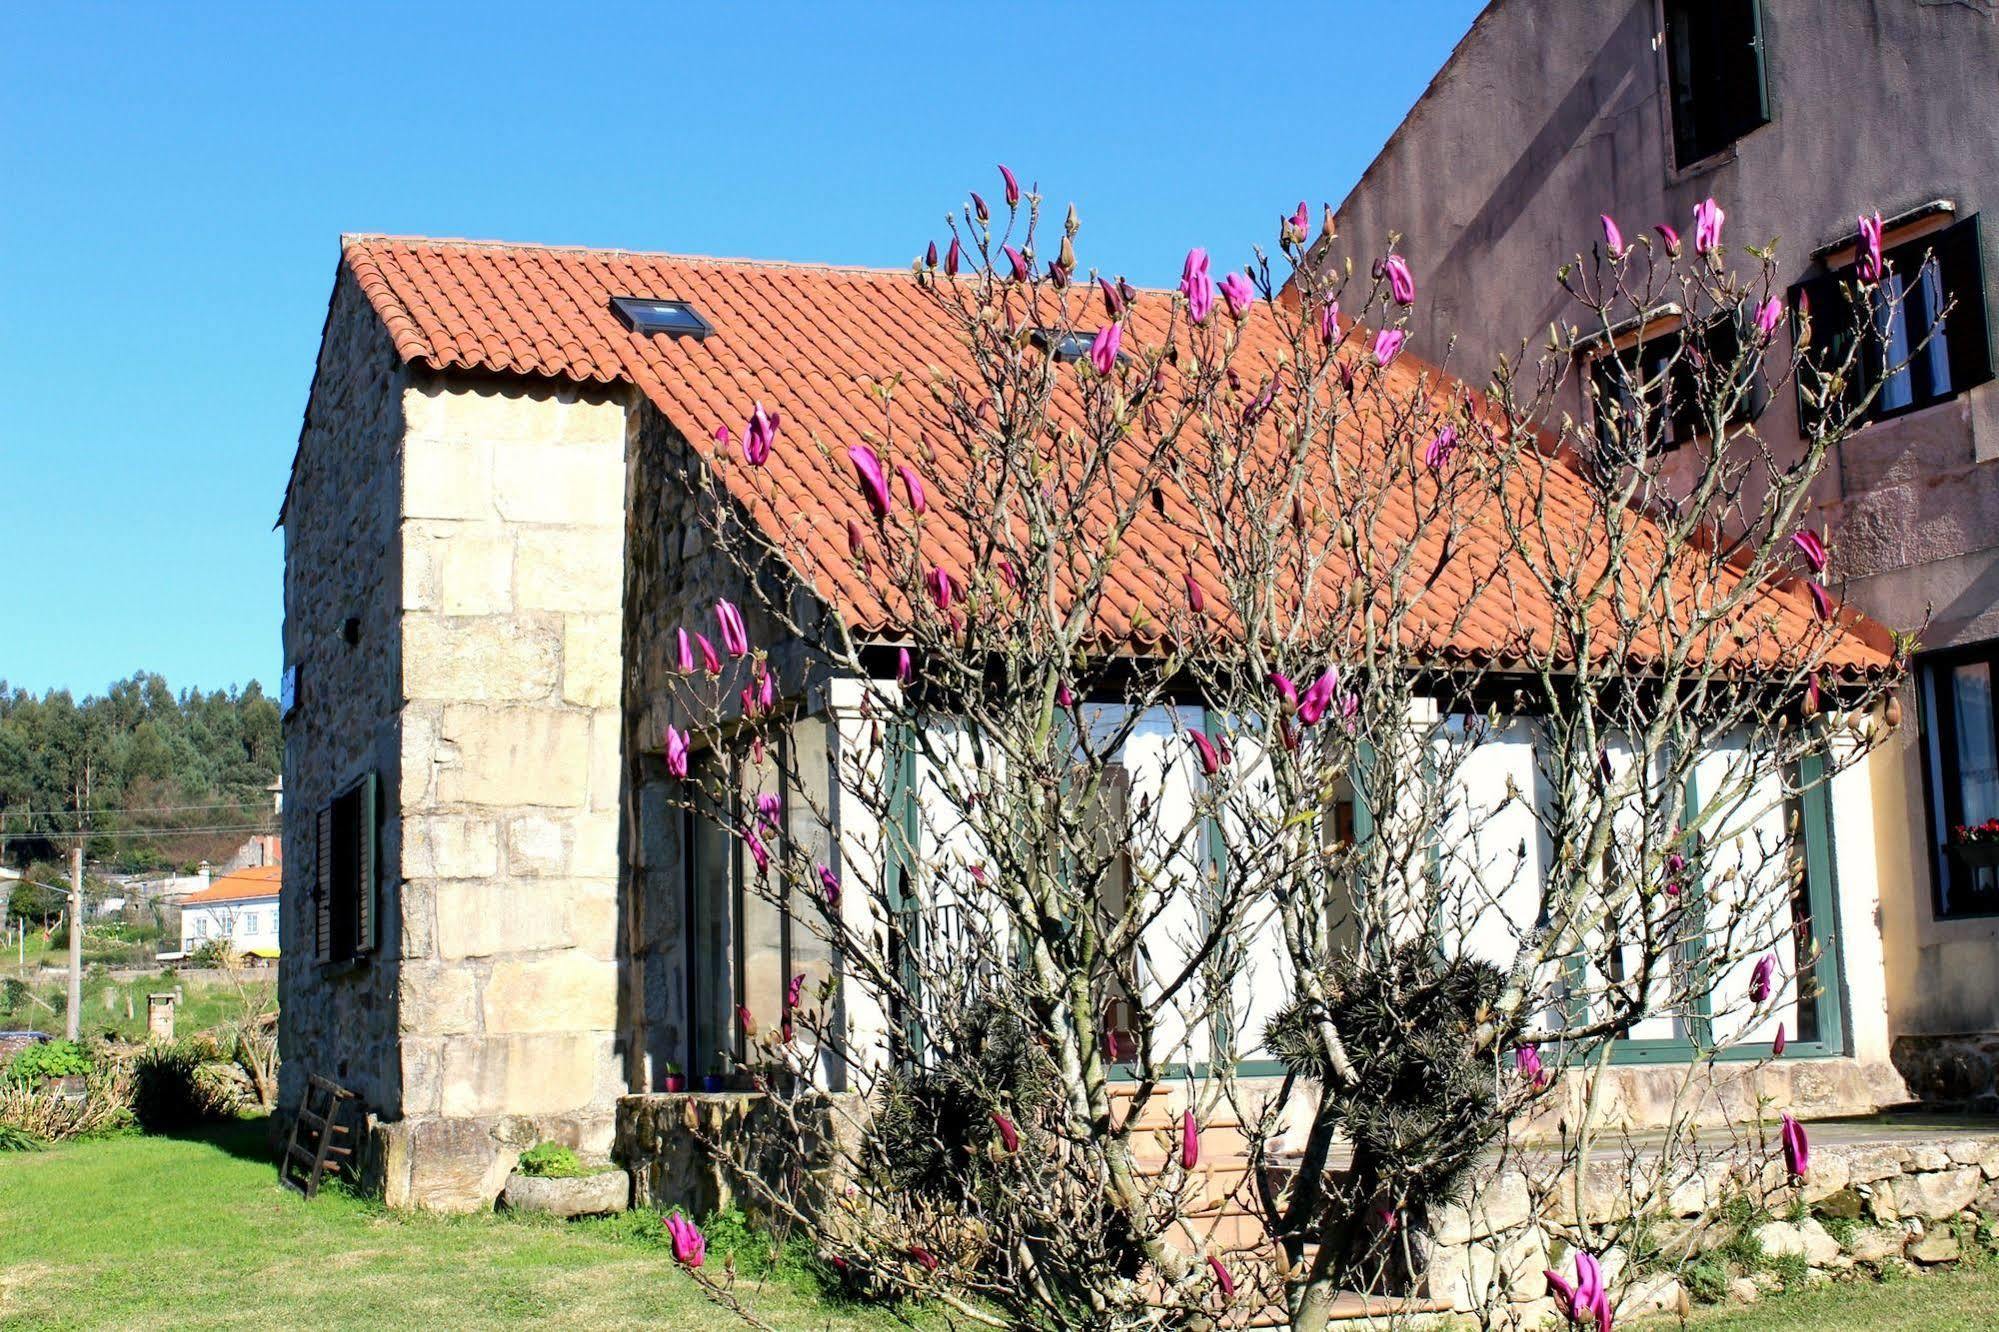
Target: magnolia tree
x,y
1262,777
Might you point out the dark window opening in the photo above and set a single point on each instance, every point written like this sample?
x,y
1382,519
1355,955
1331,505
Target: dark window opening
x,y
1071,346
344,908
1666,372
1714,67
1961,743
677,318
1925,340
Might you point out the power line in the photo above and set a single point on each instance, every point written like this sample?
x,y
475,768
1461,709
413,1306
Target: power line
x,y
127,809
139,832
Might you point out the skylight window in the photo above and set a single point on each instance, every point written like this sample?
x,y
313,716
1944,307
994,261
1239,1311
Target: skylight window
x,y
1070,346
642,314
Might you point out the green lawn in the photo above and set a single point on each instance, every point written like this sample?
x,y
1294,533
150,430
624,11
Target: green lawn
x,y
142,1232
1959,1301
116,1009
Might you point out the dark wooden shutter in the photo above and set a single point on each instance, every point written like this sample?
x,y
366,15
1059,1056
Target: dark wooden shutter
x,y
1833,331
364,865
322,890
1962,267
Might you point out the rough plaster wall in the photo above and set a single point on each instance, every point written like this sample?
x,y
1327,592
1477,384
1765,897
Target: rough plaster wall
x,y
1551,112
342,559
512,776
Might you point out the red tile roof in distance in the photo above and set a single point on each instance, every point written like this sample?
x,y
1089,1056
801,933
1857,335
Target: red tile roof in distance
x,y
805,340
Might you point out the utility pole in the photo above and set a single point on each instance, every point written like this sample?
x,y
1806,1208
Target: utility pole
x,y
73,1019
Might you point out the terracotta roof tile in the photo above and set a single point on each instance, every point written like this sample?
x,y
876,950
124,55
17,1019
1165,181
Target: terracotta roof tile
x,y
239,886
805,339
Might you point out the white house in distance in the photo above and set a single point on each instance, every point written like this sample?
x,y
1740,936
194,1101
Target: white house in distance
x,y
240,907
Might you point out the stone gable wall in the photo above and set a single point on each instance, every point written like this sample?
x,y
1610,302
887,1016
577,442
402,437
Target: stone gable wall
x,y
342,560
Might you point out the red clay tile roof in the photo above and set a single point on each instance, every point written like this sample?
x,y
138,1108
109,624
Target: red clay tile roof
x,y
805,340
240,886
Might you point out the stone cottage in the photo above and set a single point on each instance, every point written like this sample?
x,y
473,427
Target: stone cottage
x,y
494,930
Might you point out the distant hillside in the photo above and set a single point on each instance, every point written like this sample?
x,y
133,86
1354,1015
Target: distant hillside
x,y
154,778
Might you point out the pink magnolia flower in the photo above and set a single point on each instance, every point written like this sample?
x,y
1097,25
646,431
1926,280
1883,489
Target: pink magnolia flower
x,y
940,588
794,991
1401,282
735,638
979,209
709,661
874,484
1870,267
1821,600
767,809
1197,286
1613,239
1797,1148
1222,1277
830,882
1670,237
1759,978
930,256
1808,542
1018,261
1190,1140
758,851
1329,320
857,540
1676,868
1812,696
1197,601
683,659
1104,348
1063,698
1287,693
1708,218
913,483
1113,301
689,1248
1527,1059
1211,759
1440,449
1318,697
1585,1299
924,1258
1012,186
1238,293
1778,1043
1387,344
903,667
760,435
676,752
1009,1135
1767,316
746,1019
953,257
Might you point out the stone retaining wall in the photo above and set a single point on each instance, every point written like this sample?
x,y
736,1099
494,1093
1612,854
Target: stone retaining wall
x,y
1864,1204
1960,1070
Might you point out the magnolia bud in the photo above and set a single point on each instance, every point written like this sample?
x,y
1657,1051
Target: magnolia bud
x,y
1066,256
1327,230
1892,711
1071,224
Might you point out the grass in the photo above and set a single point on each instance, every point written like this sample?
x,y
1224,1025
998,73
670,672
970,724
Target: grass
x,y
117,1008
1961,1301
143,1232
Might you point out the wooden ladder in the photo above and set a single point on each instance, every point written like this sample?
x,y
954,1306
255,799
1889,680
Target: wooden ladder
x,y
314,1137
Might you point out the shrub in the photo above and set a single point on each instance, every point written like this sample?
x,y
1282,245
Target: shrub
x,y
1792,1269
37,1064
180,1085
32,1115
550,1160
1707,1279
1841,1228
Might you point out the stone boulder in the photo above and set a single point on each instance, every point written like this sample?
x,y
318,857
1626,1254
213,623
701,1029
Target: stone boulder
x,y
585,1195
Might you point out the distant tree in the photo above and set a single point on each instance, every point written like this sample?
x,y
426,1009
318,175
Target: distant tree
x,y
155,778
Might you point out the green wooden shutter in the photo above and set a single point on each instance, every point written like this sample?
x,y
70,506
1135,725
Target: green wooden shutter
x,y
365,878
322,885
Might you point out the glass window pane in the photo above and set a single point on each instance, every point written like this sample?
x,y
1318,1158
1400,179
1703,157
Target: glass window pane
x,y
1977,764
710,888
1891,322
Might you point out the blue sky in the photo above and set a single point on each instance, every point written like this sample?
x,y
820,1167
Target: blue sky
x,y
177,176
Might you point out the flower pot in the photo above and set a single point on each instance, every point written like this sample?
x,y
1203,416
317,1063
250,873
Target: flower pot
x,y
675,1083
1981,854
712,1082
